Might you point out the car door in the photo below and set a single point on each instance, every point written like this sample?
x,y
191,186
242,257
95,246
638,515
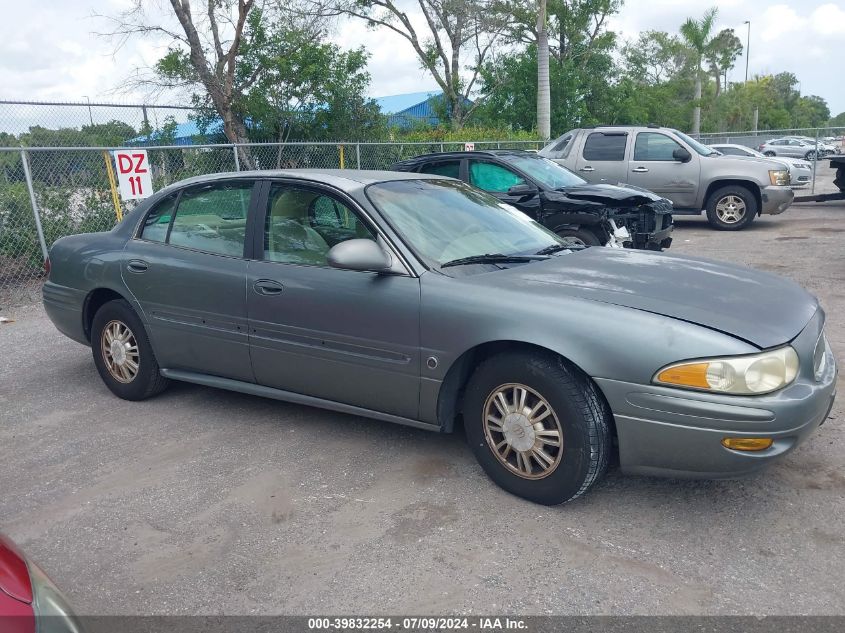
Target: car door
x,y
186,270
602,157
654,167
340,335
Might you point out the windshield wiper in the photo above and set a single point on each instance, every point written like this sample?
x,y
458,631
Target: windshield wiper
x,y
492,258
554,248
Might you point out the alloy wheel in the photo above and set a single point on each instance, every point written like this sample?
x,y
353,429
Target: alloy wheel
x,y
730,209
523,431
120,351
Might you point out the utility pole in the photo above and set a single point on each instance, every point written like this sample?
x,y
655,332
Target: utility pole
x,y
90,116
747,48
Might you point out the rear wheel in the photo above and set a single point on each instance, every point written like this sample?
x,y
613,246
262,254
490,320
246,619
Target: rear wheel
x,y
537,426
579,237
731,208
123,354
811,155
769,154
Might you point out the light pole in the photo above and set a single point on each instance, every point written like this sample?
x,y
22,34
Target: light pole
x,y
747,48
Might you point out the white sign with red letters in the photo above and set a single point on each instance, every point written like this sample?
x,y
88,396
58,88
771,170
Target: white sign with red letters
x,y
469,147
133,174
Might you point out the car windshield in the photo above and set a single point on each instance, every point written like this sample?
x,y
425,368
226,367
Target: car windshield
x,y
698,147
545,171
447,220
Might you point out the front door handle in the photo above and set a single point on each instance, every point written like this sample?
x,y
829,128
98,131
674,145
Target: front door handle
x,y
640,170
587,168
267,287
137,266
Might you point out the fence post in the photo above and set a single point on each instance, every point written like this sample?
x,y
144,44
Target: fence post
x,y
237,160
815,162
358,154
38,227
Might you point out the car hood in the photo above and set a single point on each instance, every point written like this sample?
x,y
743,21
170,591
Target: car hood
x,y
763,309
741,161
615,195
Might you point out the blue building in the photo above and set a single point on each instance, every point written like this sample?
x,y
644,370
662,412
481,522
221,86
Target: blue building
x,y
184,134
413,108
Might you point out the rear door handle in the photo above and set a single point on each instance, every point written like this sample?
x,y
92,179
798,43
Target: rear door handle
x,y
267,287
640,170
587,168
137,266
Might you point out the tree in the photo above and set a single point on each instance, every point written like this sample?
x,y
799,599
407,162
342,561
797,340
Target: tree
x,y
544,124
721,55
696,35
838,120
453,31
655,57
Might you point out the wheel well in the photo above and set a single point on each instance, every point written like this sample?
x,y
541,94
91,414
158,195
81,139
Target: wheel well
x,y
93,302
450,398
745,184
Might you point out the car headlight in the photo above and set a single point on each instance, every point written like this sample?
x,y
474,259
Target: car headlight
x,y
779,176
739,375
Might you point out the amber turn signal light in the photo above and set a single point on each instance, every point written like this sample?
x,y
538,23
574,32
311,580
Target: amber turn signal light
x,y
747,443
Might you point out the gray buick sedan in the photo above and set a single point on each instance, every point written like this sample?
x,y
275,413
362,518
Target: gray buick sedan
x,y
419,300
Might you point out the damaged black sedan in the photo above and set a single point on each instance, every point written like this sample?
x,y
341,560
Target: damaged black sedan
x,y
581,213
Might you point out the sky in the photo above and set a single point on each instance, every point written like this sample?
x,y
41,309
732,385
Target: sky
x,y
49,49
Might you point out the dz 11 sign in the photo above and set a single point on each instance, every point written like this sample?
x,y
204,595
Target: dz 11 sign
x,y
133,174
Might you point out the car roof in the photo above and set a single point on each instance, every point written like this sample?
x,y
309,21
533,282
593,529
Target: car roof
x,y
464,154
343,179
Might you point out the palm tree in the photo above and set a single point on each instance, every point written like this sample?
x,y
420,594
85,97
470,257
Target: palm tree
x,y
696,34
544,123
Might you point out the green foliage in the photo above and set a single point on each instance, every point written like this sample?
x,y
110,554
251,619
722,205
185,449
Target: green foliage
x,y
838,120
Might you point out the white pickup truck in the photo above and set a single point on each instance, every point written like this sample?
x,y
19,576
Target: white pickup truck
x,y
732,190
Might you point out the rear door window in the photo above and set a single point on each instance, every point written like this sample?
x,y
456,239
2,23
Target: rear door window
x,y
450,168
213,218
605,147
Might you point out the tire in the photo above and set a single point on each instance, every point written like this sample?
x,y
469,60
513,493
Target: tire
x,y
580,237
769,154
719,205
578,412
145,380
810,156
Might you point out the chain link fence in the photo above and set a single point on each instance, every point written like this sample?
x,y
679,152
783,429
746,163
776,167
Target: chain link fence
x,y
49,192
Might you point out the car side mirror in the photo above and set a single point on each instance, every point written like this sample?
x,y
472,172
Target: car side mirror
x,y
522,191
682,155
359,254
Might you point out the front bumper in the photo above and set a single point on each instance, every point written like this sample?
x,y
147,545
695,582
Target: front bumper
x,y
776,199
678,433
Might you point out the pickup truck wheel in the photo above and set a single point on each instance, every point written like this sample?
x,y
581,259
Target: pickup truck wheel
x,y
123,354
537,426
731,208
579,237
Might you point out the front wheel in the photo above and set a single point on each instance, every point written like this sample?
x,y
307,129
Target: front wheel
x,y
579,237
538,427
123,354
731,208
769,154
810,156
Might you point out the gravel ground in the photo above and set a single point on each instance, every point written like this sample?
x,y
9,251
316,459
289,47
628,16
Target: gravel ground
x,y
203,501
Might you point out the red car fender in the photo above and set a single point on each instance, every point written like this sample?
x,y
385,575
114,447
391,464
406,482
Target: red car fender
x,y
16,612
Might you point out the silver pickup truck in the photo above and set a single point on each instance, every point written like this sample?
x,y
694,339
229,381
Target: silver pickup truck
x,y
732,190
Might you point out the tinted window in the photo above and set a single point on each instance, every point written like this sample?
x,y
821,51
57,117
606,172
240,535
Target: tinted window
x,y
601,146
213,218
451,169
303,224
654,146
492,177
730,151
155,226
